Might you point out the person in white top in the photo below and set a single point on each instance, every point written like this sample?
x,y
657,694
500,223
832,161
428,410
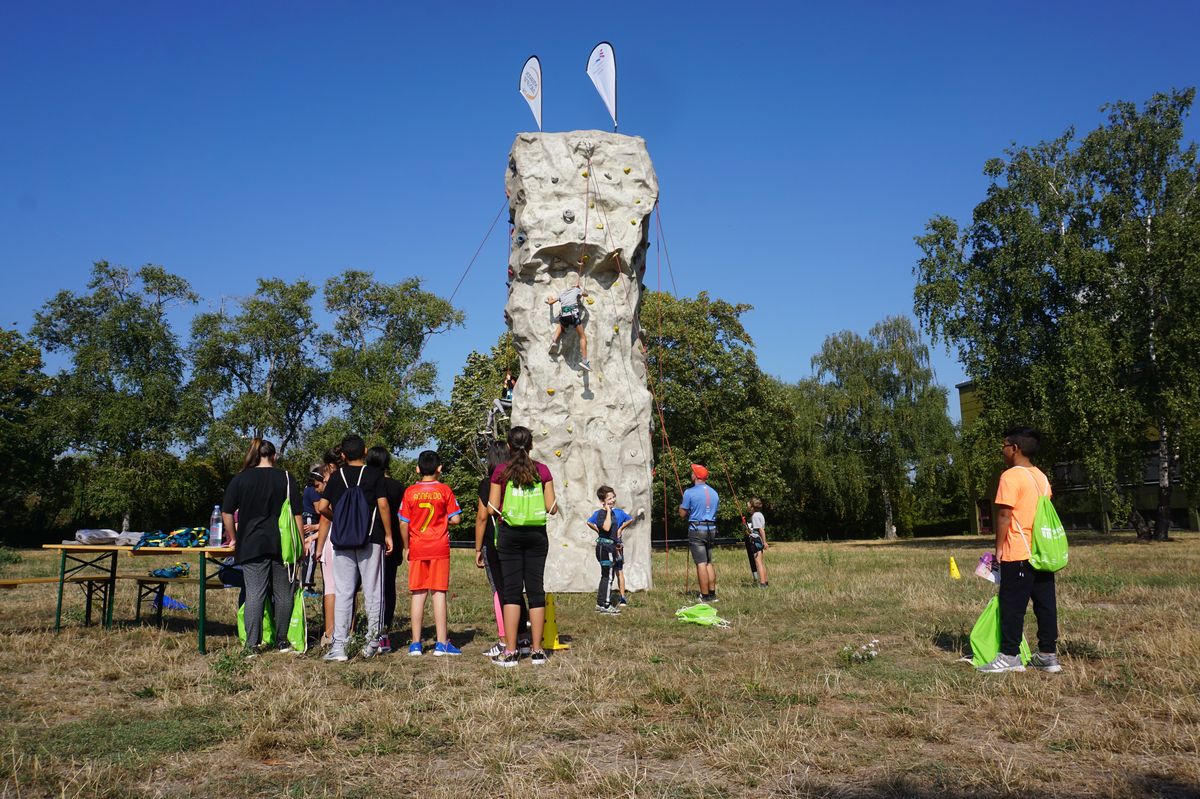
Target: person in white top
x,y
570,315
758,539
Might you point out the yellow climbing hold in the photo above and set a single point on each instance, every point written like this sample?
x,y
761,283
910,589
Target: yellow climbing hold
x,y
626,170
570,429
599,226
558,453
637,202
584,173
633,221
616,328
545,432
586,257
590,301
550,391
591,205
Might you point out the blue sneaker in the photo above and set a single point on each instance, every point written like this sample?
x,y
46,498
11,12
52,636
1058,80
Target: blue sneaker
x,y
414,649
440,649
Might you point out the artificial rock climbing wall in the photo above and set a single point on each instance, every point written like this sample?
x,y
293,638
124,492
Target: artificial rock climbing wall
x,y
580,205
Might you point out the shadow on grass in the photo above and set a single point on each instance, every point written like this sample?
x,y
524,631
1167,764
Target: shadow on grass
x,y
1151,786
956,642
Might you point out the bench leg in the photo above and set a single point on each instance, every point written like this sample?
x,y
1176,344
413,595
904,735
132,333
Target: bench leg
x,y
159,594
62,576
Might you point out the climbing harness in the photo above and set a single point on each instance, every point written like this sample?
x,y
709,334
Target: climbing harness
x,y
179,569
182,537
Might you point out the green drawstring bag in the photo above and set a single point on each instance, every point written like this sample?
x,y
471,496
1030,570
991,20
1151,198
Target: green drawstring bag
x,y
985,636
298,625
1048,545
523,507
702,614
289,534
268,633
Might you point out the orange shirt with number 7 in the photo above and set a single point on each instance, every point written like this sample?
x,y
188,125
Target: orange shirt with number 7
x,y
427,507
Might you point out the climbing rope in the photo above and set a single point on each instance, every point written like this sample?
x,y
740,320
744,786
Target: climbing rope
x,y
457,286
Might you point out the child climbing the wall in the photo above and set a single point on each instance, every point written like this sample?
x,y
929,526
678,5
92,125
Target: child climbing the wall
x,y
609,523
570,314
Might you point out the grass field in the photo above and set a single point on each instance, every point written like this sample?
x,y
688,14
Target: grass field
x,y
641,705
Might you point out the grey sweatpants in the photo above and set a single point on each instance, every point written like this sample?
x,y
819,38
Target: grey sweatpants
x,y
263,574
349,566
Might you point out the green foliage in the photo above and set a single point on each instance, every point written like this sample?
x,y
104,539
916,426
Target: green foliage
x,y
256,372
719,408
457,425
885,421
1071,298
120,399
375,375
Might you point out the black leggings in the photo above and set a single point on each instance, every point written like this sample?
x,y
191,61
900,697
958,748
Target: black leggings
x,y
522,553
495,575
1020,582
391,564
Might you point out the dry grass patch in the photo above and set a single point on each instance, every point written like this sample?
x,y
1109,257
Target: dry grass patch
x,y
642,705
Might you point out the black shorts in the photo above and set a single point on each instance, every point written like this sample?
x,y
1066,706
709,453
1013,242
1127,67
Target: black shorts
x,y
701,540
570,320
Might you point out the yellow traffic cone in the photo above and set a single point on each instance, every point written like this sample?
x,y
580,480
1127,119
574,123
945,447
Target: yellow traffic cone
x,y
550,632
954,570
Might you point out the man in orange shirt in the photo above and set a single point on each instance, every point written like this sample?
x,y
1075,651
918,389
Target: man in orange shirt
x,y
426,512
1021,485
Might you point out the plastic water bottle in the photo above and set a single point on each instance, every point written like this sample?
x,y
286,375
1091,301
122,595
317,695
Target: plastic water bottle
x,y
215,527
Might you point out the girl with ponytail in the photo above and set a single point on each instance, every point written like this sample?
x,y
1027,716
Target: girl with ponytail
x,y
522,546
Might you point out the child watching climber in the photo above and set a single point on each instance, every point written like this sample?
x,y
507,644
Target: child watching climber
x,y
609,522
570,315
426,512
757,539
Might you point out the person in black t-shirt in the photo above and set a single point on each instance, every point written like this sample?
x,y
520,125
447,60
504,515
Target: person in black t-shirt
x,y
363,563
256,495
379,458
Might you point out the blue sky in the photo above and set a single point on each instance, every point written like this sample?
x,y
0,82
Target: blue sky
x,y
799,149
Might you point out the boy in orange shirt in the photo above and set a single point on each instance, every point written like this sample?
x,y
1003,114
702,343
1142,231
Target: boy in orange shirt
x,y
1021,485
427,510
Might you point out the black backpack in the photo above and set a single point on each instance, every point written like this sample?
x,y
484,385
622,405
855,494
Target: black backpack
x,y
352,518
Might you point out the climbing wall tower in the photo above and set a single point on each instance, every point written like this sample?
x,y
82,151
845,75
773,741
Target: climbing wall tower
x,y
580,205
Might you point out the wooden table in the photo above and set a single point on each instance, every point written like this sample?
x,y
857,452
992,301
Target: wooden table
x,y
100,560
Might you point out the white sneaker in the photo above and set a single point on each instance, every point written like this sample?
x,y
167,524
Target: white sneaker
x,y
1001,664
336,654
1047,662
497,649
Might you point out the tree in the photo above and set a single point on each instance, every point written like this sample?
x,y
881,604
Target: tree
x,y
719,408
26,460
457,424
257,372
885,417
120,397
375,373
1072,299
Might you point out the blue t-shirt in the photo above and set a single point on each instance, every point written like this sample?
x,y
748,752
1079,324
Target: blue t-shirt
x,y
619,517
700,501
311,495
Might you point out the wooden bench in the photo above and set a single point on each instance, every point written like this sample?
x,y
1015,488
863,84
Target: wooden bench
x,y
17,582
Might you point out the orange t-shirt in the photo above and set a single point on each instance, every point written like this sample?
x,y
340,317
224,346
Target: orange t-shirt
x,y
1019,489
427,507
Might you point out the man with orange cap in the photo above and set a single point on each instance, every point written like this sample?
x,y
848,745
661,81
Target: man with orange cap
x,y
699,507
